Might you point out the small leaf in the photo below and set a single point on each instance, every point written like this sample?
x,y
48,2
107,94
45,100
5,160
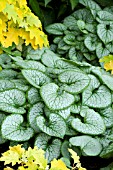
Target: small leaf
x,y
69,39
35,111
93,123
12,130
55,127
35,77
90,43
56,29
89,146
73,3
52,150
54,98
46,2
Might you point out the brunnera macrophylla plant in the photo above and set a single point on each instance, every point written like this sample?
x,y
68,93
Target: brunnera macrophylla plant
x,y
56,104
19,25
85,35
34,159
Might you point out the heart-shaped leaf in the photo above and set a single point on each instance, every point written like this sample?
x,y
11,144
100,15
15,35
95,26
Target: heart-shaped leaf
x,y
33,95
90,43
69,130
76,81
11,100
35,111
96,95
107,115
34,54
49,145
69,39
35,77
89,146
104,76
93,123
104,33
55,127
101,50
54,98
29,64
12,129
105,17
49,58
56,29
8,74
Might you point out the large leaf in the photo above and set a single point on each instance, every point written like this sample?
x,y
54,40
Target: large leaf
x,y
12,100
93,123
49,145
12,129
56,125
55,98
75,81
29,64
34,54
104,76
35,77
33,95
96,95
35,111
104,33
49,58
89,146
93,6
84,15
107,115
56,29
64,113
8,74
101,50
105,17
11,84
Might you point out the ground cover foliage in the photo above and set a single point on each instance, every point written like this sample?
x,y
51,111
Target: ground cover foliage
x,y
57,103
61,97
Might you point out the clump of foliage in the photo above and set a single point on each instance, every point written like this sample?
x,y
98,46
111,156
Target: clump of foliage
x,y
34,159
85,35
19,25
56,103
